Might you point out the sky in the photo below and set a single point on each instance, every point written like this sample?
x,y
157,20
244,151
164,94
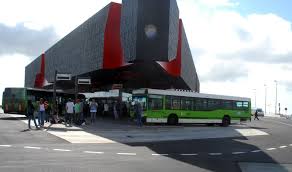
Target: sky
x,y
240,47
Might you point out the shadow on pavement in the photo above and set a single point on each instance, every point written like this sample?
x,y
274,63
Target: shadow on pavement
x,y
231,149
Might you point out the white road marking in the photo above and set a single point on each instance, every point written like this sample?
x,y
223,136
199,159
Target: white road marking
x,y
251,132
281,147
92,152
5,145
255,151
126,153
236,153
290,145
189,154
215,154
31,147
271,149
62,150
156,154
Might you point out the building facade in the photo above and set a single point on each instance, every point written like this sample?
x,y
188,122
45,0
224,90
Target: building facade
x,y
139,43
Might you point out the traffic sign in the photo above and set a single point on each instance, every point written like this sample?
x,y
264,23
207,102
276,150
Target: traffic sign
x,y
63,77
84,81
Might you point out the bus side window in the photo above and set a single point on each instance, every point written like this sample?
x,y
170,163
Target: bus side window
x,y
238,105
213,104
245,105
227,104
201,104
168,102
186,104
155,102
176,103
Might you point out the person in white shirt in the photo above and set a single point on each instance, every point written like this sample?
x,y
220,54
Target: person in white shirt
x,y
41,117
69,112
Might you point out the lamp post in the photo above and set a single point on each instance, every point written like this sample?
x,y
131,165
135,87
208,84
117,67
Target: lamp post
x,y
276,96
265,99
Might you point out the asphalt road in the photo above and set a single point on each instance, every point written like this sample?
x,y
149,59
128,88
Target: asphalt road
x,y
39,151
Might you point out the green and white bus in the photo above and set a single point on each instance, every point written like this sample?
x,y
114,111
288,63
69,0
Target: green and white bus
x,y
14,100
175,106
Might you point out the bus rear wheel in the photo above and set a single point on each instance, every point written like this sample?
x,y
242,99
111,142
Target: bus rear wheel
x,y
225,121
172,119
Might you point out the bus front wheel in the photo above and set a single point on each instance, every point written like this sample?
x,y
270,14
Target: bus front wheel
x,y
225,121
172,119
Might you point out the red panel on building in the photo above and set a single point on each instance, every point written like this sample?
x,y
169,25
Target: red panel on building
x,y
40,77
174,67
113,52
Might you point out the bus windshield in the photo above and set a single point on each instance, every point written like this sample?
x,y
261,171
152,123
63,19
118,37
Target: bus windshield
x,y
142,99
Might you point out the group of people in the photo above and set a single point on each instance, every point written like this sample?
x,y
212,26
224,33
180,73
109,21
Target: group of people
x,y
76,112
43,113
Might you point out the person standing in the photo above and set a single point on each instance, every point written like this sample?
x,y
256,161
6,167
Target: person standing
x,y
69,113
115,112
256,115
30,114
47,111
93,110
105,109
138,112
77,109
41,114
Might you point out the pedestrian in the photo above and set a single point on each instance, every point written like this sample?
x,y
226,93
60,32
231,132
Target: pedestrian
x,y
69,113
81,118
256,115
138,112
93,110
30,114
47,111
105,109
115,112
77,109
41,114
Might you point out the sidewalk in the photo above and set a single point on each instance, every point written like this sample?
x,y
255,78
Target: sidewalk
x,y
110,131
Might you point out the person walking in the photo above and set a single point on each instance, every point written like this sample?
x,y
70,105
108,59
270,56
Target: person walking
x,y
41,114
256,115
69,112
30,114
138,112
93,110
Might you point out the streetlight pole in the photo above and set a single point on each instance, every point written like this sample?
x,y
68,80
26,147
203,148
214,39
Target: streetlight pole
x,y
276,96
265,99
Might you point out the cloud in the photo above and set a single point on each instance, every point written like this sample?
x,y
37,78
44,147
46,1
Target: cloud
x,y
218,3
223,72
12,69
22,40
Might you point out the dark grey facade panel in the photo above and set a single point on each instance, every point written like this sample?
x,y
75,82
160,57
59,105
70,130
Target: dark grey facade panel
x,y
153,30
149,29
173,30
188,73
129,21
81,51
31,71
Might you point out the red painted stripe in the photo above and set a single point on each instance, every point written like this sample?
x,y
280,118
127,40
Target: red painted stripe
x,y
174,67
113,52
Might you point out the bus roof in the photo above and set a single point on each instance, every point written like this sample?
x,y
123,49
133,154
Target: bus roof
x,y
187,93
